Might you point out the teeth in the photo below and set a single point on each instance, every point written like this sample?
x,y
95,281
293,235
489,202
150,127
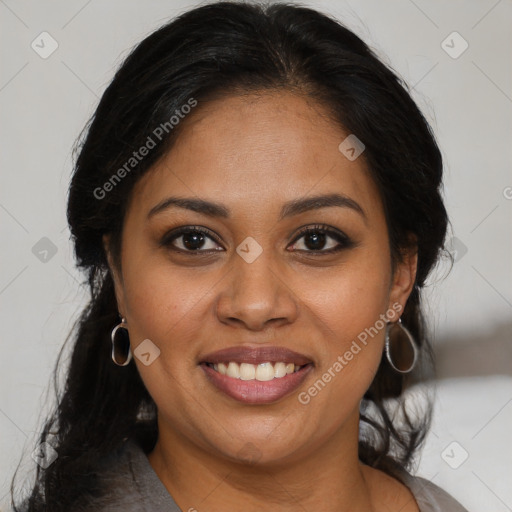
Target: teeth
x,y
261,372
264,371
279,370
247,371
233,370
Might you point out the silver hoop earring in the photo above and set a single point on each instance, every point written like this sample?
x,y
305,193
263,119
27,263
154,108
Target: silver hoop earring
x,y
401,349
121,346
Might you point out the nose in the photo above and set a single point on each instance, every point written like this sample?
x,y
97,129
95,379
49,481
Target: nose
x,y
256,295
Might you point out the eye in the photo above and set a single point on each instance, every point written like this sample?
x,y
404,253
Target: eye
x,y
191,239
199,240
316,239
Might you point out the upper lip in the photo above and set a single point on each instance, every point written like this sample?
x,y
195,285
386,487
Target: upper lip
x,y
256,355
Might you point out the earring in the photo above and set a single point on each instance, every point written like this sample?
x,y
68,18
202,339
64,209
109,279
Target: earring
x,y
401,349
121,346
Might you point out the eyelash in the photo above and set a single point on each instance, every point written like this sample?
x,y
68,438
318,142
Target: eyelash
x,y
343,240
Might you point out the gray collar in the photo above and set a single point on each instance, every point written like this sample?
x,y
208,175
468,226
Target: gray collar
x,y
137,487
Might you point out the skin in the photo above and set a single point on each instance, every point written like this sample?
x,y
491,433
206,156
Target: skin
x,y
253,153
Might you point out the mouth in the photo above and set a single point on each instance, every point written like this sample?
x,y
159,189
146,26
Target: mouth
x,y
260,375
262,372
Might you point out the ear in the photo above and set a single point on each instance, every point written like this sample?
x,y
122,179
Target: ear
x,y
404,276
116,276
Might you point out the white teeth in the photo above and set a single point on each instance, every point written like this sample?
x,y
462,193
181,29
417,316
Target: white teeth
x,y
233,370
247,371
264,371
279,370
261,372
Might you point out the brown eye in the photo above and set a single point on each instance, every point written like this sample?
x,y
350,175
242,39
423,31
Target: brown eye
x,y
190,239
321,239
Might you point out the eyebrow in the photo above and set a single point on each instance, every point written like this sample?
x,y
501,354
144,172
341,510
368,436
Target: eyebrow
x,y
289,209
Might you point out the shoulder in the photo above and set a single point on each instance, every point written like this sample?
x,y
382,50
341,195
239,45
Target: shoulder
x,y
429,497
128,483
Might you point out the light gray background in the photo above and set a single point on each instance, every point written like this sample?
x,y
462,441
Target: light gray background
x,y
468,100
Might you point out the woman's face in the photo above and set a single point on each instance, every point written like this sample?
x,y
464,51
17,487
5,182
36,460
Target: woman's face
x,y
252,289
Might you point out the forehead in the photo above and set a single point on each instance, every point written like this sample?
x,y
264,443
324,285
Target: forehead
x,y
256,152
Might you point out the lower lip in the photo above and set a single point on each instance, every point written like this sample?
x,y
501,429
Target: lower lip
x,y
255,391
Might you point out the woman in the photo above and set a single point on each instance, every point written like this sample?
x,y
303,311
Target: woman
x,y
257,206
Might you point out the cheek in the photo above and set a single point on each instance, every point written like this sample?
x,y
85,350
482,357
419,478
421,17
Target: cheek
x,y
350,299
166,305
349,310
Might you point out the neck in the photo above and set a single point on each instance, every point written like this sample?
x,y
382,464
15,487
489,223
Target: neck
x,y
328,476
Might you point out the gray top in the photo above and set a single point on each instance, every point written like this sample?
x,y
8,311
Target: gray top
x,y
132,485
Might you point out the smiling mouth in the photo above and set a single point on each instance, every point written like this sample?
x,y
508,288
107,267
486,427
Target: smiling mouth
x,y
261,372
256,374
